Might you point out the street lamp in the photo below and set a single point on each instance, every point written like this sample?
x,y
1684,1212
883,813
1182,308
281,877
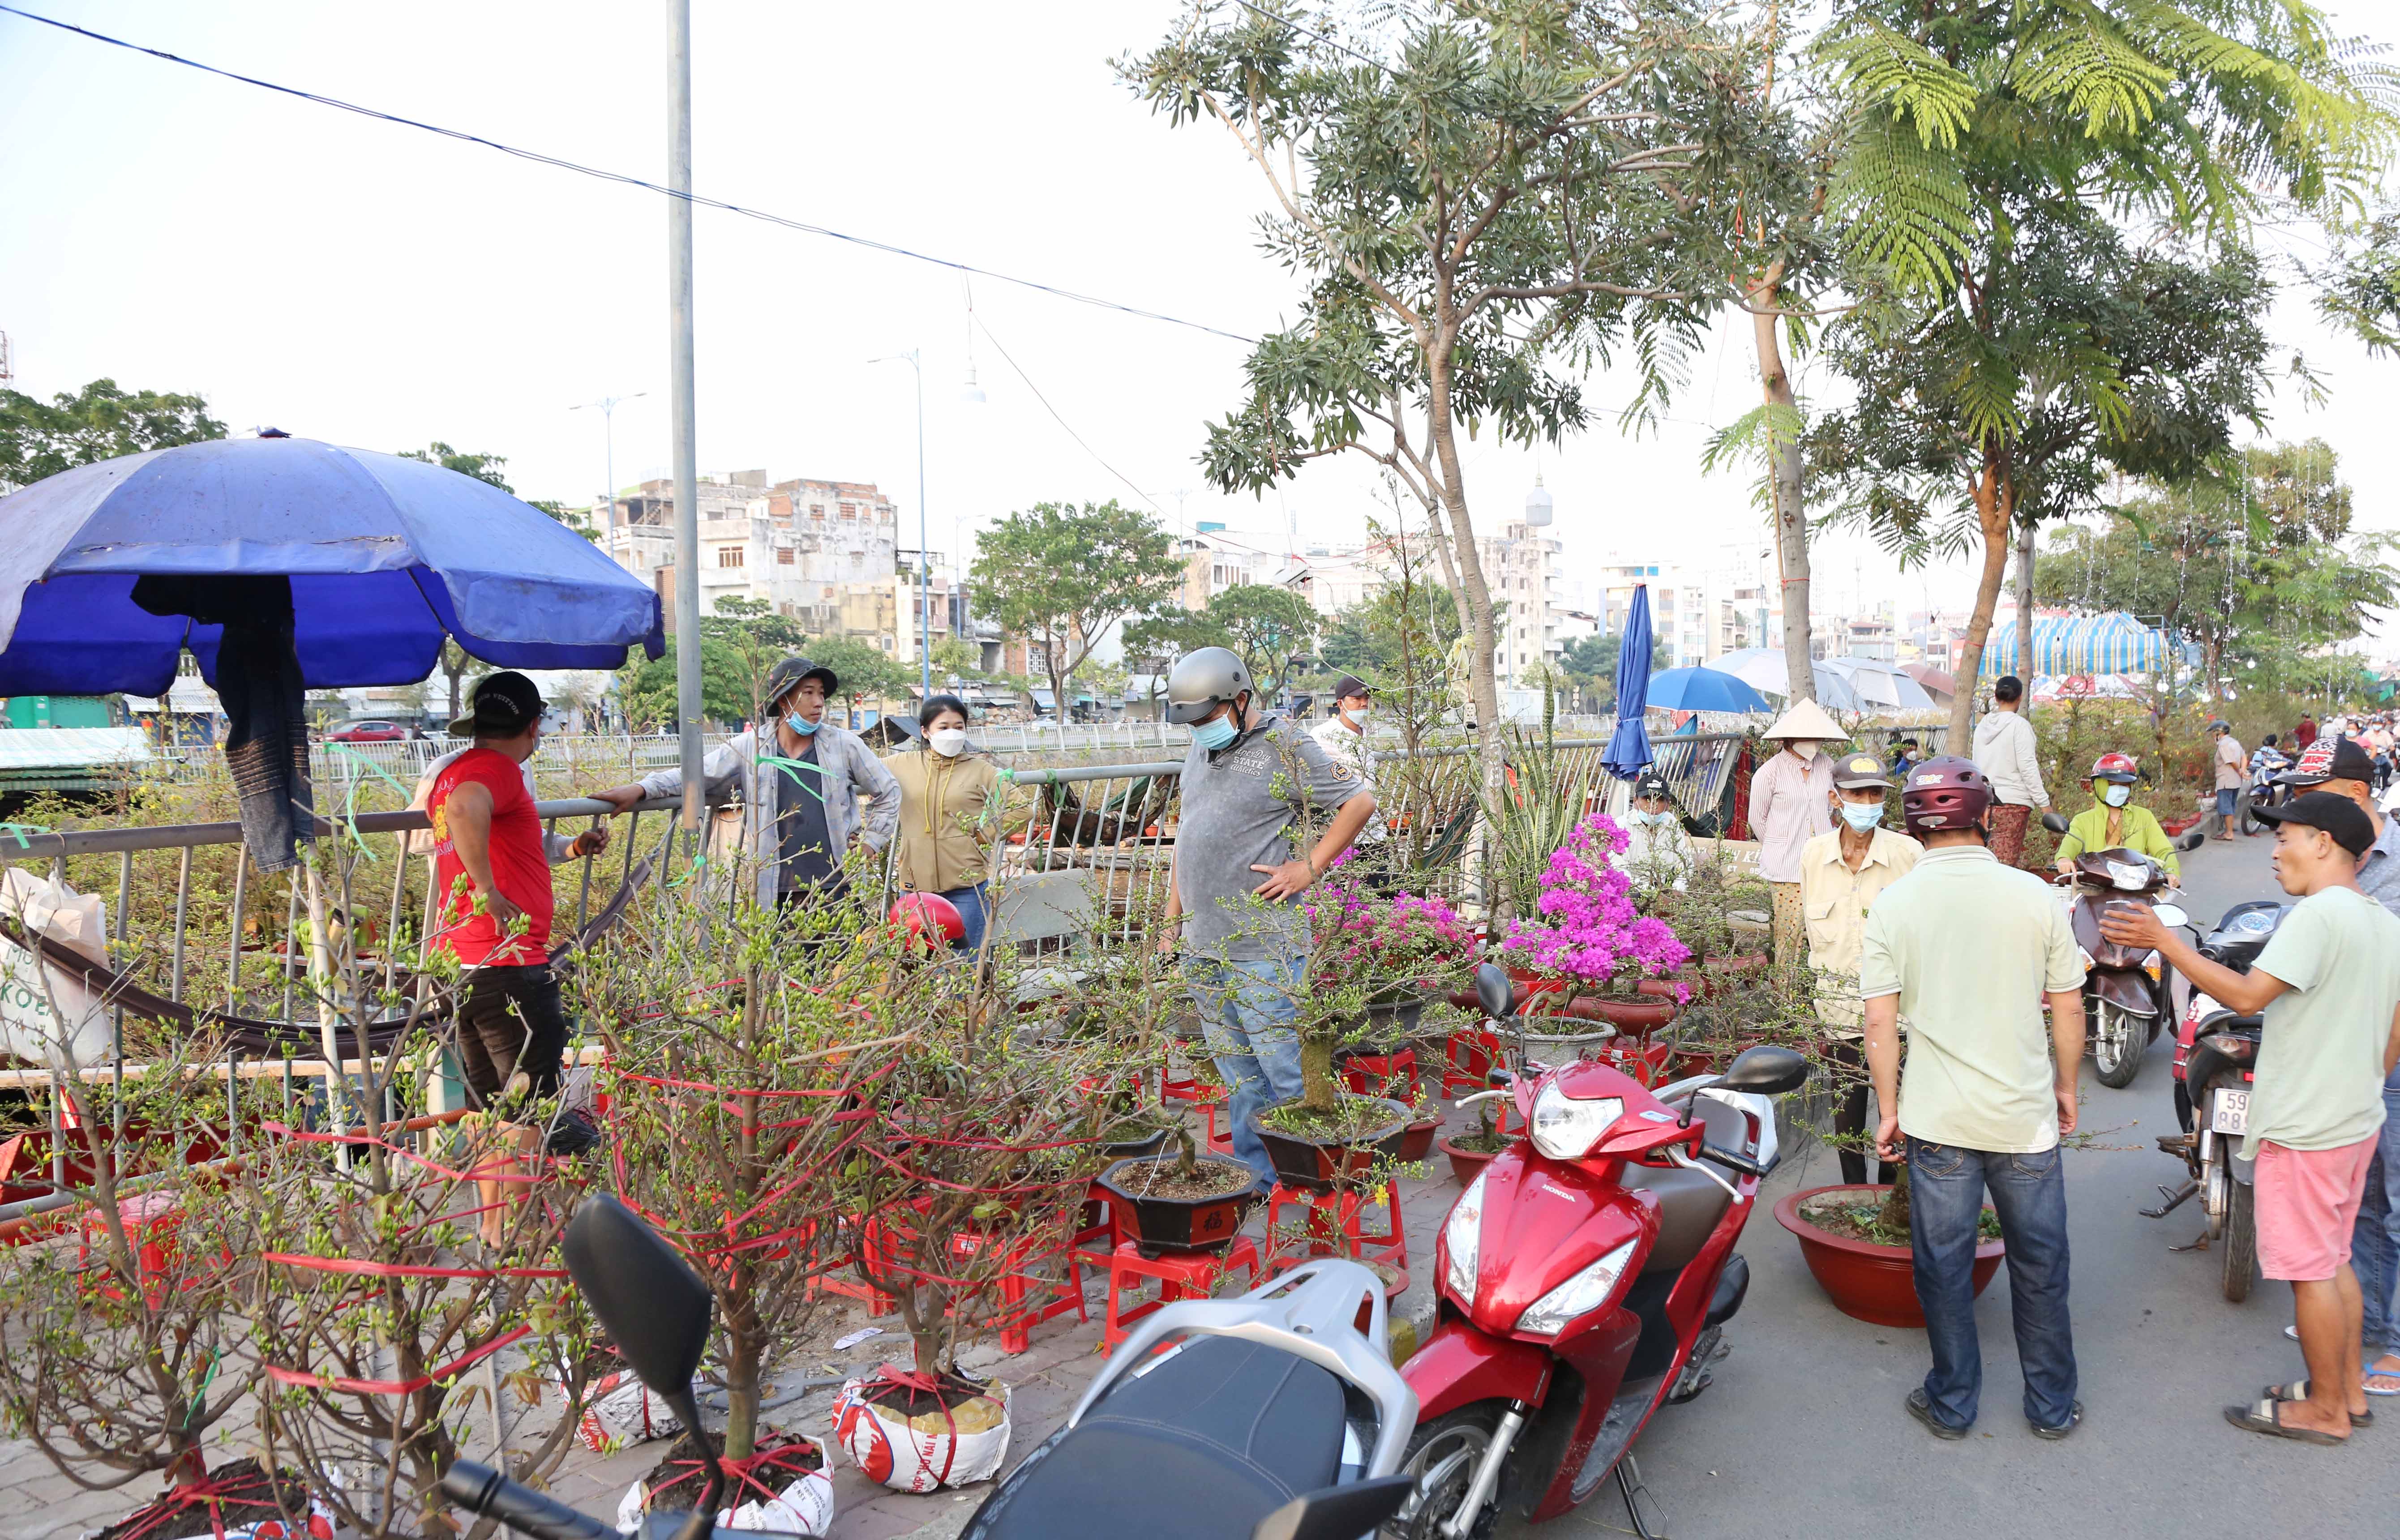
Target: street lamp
x,y
607,406
924,603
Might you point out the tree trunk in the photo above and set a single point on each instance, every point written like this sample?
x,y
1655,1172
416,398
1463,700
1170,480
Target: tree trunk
x,y
453,663
1483,688
1783,482
1992,514
1319,1091
741,1396
2023,667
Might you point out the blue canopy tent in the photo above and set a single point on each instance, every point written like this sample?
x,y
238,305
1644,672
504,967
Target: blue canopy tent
x,y
1628,746
1704,690
386,557
2114,643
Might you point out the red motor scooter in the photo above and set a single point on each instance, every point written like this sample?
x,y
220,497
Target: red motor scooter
x,y
1584,1277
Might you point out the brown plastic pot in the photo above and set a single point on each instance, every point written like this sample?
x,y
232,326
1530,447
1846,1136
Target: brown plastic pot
x,y
1417,1143
1865,1281
1302,1163
1466,1165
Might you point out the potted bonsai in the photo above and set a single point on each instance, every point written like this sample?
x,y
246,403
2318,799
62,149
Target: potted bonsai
x,y
1471,1152
1855,1238
1185,1202
1592,946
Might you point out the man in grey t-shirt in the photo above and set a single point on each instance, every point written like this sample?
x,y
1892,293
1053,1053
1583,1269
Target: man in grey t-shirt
x,y
1240,868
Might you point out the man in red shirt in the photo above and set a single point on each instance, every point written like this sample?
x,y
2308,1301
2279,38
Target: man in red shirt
x,y
493,879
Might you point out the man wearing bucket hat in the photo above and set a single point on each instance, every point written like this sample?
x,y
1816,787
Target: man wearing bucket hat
x,y
801,779
1841,876
1790,797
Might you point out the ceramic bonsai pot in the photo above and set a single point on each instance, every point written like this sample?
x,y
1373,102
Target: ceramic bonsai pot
x,y
1866,1281
1307,1162
1165,1222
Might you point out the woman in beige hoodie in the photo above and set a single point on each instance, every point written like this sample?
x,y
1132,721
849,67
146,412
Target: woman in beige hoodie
x,y
950,816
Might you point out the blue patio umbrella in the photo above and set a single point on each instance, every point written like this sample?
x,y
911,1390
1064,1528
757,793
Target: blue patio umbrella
x,y
1704,690
1628,746
385,556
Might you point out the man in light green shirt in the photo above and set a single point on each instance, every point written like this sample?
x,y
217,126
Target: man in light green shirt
x,y
1967,949
2328,984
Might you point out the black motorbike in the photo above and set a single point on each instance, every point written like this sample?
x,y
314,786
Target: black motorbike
x,y
1284,1390
2217,1056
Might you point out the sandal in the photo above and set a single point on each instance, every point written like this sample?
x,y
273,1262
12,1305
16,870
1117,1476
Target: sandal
x,y
2298,1391
2266,1417
2375,1373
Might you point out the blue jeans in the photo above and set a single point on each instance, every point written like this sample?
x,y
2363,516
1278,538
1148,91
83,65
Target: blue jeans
x,y
1247,1009
1946,1186
972,909
2375,1240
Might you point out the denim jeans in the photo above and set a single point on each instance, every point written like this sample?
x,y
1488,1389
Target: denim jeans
x,y
1247,1009
2375,1240
1946,1186
972,909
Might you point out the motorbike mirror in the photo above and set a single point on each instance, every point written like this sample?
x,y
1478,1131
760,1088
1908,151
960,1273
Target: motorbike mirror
x,y
2191,839
2170,915
1337,1513
1495,991
650,1302
2054,822
1764,1070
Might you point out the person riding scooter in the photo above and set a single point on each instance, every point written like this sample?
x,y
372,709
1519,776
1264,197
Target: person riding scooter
x,y
2114,820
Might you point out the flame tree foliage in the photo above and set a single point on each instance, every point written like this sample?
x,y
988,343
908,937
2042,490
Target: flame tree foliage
x,y
2003,152
2257,562
1482,198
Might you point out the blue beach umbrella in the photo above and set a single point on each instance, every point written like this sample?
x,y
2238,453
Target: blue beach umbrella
x,y
1704,690
385,556
1628,746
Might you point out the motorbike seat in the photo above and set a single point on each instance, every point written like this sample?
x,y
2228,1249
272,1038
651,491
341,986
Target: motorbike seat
x,y
1689,1204
1204,1445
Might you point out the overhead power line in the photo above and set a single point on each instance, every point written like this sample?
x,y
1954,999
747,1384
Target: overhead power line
x,y
622,179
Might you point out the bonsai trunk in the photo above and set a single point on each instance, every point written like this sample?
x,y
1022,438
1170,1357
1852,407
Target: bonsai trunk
x,y
742,1356
1893,1215
1186,1156
1320,1090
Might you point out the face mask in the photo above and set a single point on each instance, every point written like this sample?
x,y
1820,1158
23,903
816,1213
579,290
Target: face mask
x,y
2116,797
949,742
1653,820
1359,714
802,725
1214,734
1862,816
1804,747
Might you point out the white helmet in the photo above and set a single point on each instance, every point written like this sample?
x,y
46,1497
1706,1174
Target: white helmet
x,y
1204,679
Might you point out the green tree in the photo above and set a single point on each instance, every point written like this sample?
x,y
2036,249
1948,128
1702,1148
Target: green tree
x,y
1152,643
1589,663
1061,575
1508,193
100,422
1270,627
728,686
484,467
2360,291
1988,138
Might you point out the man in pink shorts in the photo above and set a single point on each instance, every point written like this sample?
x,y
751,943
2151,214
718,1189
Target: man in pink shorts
x,y
2329,985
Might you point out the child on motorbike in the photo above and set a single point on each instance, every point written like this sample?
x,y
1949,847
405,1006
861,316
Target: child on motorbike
x,y
2115,820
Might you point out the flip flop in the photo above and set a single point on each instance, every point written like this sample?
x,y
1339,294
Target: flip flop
x,y
2374,1373
2264,1417
2298,1391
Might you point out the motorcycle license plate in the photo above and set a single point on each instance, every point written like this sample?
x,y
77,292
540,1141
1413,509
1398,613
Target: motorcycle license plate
x,y
2230,1114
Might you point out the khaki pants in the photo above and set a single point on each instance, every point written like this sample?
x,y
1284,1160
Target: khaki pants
x,y
1788,941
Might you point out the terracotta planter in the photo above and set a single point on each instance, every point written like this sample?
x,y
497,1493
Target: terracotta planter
x,y
1466,1165
1638,1019
1865,1281
1310,1163
1164,1223
1417,1143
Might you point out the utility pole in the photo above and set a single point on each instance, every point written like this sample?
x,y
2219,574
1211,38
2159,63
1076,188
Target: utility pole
x,y
685,412
607,406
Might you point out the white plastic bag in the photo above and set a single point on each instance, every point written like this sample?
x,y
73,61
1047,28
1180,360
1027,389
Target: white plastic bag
x,y
802,1505
932,1450
39,1018
621,1410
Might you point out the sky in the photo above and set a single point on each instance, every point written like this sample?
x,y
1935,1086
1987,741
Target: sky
x,y
348,280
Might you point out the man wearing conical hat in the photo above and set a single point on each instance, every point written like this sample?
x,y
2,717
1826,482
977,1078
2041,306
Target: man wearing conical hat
x,y
1791,799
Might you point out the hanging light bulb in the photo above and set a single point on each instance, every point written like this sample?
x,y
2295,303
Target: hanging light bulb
x,y
970,393
1537,503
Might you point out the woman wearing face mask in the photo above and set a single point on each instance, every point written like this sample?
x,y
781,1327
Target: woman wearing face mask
x,y
1841,874
2114,820
1658,853
949,807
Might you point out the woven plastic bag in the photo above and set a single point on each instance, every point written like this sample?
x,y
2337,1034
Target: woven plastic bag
x,y
941,1447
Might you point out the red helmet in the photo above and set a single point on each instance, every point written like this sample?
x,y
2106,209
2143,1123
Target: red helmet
x,y
2114,767
1944,795
929,917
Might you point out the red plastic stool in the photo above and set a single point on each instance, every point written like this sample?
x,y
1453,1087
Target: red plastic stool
x,y
1469,1059
1018,1285
1181,1275
1336,1226
1097,1233
877,1302
1392,1075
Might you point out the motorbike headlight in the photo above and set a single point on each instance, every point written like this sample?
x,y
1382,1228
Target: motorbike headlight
x,y
1579,1296
2129,877
1565,1128
1463,1238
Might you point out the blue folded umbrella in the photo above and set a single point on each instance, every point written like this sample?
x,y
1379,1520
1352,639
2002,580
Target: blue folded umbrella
x,y
1628,746
1704,690
386,555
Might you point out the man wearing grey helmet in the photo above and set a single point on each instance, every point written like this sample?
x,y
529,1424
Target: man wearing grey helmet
x,y
1233,898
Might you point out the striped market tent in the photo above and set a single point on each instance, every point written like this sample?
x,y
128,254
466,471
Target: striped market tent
x,y
2079,644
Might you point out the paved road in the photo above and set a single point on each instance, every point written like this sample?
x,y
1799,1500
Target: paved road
x,y
1804,1435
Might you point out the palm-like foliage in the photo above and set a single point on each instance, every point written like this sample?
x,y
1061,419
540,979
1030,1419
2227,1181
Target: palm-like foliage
x,y
2013,343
